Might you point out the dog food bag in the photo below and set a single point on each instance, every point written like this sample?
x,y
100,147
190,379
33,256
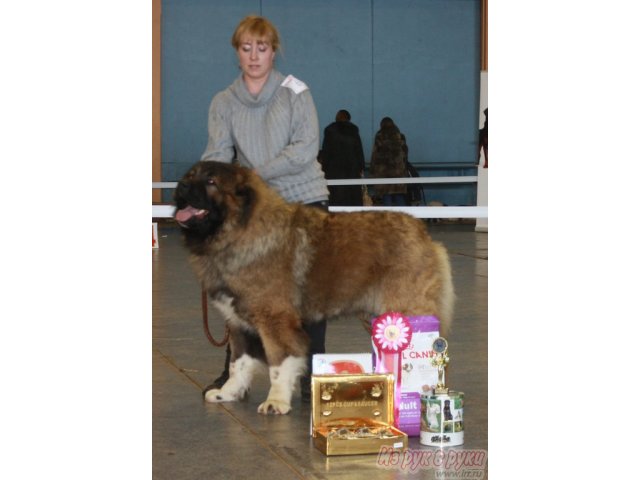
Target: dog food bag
x,y
418,375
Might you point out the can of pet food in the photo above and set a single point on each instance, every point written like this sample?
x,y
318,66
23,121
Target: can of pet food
x,y
442,419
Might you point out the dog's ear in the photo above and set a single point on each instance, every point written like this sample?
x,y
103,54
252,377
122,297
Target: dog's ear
x,y
245,194
240,178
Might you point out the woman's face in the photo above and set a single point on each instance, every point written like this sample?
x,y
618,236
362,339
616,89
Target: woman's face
x,y
256,58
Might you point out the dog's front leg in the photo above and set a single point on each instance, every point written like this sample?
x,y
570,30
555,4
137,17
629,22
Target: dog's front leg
x,y
286,351
247,357
283,380
241,373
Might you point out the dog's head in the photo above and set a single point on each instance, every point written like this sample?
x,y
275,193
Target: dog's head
x,y
209,195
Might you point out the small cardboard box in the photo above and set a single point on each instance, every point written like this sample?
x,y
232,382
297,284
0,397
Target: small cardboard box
x,y
338,363
154,235
353,414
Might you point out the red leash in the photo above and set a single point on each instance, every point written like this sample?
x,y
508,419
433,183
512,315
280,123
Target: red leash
x,y
205,321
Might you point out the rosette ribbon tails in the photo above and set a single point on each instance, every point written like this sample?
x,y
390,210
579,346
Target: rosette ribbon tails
x,y
391,334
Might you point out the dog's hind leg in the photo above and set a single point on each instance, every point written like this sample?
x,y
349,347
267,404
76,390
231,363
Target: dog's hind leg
x,y
246,354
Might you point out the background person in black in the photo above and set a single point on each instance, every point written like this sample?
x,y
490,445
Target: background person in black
x,y
483,143
342,157
389,159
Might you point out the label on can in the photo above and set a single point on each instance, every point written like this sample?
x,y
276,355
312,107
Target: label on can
x,y
441,419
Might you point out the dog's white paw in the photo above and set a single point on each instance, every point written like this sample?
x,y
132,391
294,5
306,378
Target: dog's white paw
x,y
274,406
217,395
283,378
237,387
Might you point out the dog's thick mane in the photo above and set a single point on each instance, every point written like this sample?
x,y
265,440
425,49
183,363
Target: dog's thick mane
x,y
266,216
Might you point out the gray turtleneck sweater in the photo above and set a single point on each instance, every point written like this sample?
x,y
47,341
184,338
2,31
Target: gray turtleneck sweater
x,y
275,133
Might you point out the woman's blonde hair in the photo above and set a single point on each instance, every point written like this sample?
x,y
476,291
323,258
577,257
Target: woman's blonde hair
x,y
258,27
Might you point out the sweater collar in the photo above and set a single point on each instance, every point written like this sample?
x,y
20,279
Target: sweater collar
x,y
239,89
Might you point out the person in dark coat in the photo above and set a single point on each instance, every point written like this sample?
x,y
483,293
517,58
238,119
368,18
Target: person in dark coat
x,y
389,160
342,156
483,143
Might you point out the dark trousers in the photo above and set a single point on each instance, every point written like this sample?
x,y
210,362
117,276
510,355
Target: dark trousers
x,y
394,199
317,333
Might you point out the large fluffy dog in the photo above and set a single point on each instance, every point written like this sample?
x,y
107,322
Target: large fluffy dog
x,y
271,266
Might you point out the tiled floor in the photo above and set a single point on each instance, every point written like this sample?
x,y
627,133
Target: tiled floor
x,y
193,439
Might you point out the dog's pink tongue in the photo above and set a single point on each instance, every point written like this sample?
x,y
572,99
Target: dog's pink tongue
x,y
185,214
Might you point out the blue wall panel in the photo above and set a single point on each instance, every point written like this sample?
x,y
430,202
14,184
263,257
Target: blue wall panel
x,y
197,61
327,44
426,75
417,61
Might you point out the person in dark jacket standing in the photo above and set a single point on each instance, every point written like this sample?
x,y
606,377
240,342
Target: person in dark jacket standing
x,y
483,143
389,160
342,156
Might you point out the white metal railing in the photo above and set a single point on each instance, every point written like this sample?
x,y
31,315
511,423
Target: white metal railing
x,y
369,181
167,211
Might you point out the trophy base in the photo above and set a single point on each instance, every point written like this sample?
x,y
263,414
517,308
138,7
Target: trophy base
x,y
441,419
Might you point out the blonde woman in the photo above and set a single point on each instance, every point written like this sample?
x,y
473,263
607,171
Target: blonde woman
x,y
268,122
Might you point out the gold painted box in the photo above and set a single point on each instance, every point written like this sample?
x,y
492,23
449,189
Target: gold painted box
x,y
353,414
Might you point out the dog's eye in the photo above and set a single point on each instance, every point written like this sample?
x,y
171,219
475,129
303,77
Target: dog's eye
x,y
212,185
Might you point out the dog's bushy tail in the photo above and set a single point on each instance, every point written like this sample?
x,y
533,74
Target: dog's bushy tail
x,y
447,293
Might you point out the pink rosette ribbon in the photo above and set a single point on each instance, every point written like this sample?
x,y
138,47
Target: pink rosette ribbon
x,y
391,334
